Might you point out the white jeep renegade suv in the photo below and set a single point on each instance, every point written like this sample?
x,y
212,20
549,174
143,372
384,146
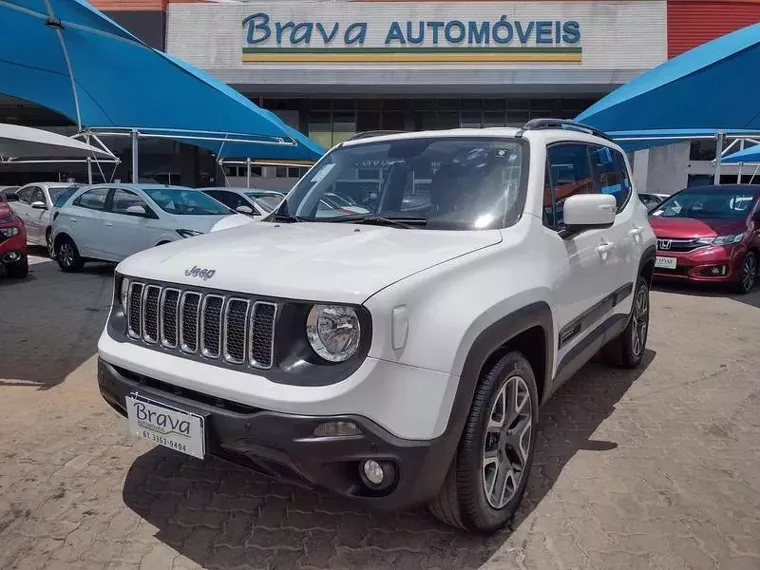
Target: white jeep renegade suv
x,y
397,357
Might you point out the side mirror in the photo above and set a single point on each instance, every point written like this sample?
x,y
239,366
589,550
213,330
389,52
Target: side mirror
x,y
587,211
247,210
38,205
137,210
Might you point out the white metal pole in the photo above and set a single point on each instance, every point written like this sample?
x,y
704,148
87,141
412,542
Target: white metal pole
x,y
247,172
718,155
135,161
739,176
89,170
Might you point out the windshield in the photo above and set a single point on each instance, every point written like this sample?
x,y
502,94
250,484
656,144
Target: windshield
x,y
713,203
60,194
188,202
446,183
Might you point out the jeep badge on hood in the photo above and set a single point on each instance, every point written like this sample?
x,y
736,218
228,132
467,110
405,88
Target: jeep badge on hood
x,y
204,274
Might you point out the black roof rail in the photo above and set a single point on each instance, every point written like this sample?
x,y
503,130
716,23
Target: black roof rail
x,y
369,134
537,124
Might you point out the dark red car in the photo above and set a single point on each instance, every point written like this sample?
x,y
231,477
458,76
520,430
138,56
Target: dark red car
x,y
12,242
709,234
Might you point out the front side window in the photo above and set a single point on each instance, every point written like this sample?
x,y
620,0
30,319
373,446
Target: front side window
x,y
122,200
708,203
181,202
94,199
569,172
613,174
25,194
440,183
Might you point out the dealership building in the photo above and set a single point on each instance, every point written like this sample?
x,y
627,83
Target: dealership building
x,y
333,68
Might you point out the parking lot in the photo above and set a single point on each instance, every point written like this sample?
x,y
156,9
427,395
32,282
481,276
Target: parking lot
x,y
658,468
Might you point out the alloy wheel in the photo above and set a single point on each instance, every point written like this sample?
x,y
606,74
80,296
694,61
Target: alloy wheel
x,y
507,442
66,253
640,320
51,250
749,272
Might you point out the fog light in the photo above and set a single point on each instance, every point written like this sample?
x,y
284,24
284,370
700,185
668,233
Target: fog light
x,y
373,472
12,256
336,429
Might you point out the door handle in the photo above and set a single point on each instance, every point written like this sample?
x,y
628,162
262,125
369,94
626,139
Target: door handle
x,y
605,247
636,231
109,225
73,220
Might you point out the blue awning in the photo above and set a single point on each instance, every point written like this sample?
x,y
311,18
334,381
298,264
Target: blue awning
x,y
633,140
711,86
75,60
749,155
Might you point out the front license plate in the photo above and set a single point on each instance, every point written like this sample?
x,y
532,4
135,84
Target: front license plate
x,y
665,262
171,427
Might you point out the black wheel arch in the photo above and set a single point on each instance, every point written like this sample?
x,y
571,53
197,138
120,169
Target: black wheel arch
x,y
529,330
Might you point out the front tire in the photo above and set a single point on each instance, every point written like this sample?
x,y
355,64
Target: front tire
x,y
627,350
49,244
68,256
747,274
487,479
19,269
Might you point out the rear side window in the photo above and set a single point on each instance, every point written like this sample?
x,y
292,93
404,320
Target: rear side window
x,y
569,172
94,199
612,173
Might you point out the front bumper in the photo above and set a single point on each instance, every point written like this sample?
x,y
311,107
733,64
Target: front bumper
x,y
718,264
283,445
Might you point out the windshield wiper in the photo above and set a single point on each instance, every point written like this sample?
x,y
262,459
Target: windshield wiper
x,y
287,218
405,223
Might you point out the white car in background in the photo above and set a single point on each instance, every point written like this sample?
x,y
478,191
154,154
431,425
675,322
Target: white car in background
x,y
109,222
35,203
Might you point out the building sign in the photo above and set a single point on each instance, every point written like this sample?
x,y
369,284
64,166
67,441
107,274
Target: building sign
x,y
269,39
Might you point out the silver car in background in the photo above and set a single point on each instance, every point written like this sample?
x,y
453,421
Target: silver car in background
x,y
35,204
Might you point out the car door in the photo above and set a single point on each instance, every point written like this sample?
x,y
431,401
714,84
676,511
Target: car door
x,y
35,226
86,224
128,232
584,282
22,206
627,235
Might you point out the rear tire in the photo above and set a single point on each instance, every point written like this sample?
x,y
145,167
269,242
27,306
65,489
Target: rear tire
x,y
747,274
18,270
488,476
67,256
627,350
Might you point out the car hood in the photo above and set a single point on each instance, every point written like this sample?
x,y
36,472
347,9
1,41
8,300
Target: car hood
x,y
685,228
337,262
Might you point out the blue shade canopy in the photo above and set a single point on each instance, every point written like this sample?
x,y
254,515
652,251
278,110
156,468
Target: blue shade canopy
x,y
648,138
749,155
77,61
711,86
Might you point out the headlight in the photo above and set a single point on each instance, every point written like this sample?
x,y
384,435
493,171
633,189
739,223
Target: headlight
x,y
188,233
333,331
721,240
728,240
9,232
124,292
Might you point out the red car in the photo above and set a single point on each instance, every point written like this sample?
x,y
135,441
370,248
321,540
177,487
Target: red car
x,y
12,242
709,234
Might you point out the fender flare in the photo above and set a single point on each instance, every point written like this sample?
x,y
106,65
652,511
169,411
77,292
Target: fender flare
x,y
485,344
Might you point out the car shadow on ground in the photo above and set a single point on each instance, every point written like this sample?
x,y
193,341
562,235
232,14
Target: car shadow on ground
x,y
222,517
709,290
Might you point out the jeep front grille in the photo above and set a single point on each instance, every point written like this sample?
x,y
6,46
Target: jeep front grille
x,y
214,326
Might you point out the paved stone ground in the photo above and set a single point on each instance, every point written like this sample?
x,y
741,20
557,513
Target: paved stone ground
x,y
654,469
